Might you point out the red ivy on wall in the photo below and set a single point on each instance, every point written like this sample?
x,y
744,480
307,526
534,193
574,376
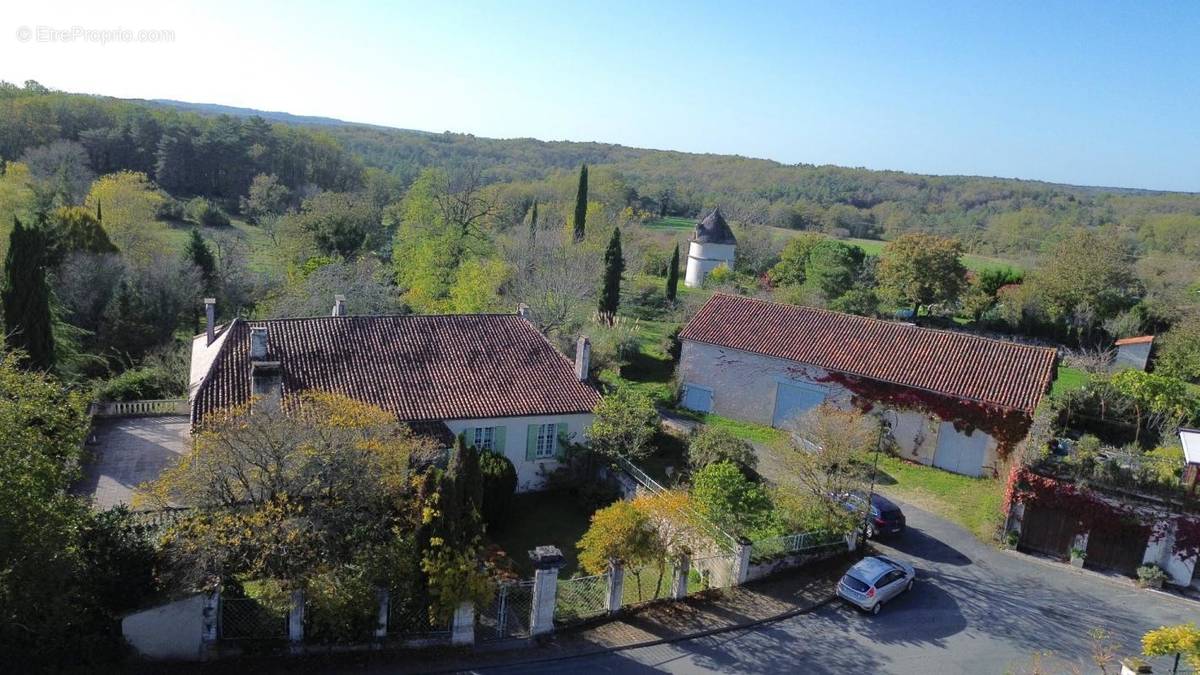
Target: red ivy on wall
x,y
1008,427
1091,513
1187,537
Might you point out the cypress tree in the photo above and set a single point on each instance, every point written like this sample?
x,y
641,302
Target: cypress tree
x,y
198,254
673,275
581,198
614,266
26,297
533,221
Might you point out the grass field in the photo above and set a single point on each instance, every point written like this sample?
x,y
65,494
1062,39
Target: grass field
x,y
1067,379
260,251
871,246
973,503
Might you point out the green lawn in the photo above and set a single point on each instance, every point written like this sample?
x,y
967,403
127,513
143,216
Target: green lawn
x,y
261,254
747,431
672,223
539,519
973,503
1068,379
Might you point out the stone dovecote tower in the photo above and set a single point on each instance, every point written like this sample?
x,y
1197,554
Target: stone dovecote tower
x,y
712,244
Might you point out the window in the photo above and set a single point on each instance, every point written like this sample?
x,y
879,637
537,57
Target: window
x,y
485,438
547,441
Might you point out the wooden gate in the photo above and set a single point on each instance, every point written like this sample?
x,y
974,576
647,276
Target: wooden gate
x,y
1047,531
1119,548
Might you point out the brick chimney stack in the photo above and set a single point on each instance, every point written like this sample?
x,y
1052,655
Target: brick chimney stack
x,y
339,305
583,358
210,316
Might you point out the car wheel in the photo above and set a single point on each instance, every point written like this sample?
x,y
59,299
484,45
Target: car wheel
x,y
910,585
875,610
870,532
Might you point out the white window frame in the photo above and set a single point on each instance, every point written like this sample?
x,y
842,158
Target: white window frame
x,y
485,438
546,444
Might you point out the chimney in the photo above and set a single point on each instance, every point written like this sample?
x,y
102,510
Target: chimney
x,y
583,358
210,315
523,311
339,305
266,377
258,343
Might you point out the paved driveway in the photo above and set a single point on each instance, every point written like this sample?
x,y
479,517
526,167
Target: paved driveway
x,y
975,609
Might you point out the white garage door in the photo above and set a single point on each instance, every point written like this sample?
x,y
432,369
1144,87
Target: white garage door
x,y
958,452
792,400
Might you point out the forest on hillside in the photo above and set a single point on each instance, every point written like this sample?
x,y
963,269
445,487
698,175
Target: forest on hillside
x,y
117,217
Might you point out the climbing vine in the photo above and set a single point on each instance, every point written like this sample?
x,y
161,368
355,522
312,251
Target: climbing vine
x,y
1008,427
1091,513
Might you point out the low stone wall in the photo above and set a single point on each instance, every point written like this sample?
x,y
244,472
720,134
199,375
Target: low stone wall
x,y
174,631
774,565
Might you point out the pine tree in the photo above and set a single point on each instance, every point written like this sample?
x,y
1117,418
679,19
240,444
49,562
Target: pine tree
x,y
673,275
533,221
26,297
581,198
614,266
198,254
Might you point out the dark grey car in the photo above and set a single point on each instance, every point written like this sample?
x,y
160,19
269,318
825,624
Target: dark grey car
x,y
874,580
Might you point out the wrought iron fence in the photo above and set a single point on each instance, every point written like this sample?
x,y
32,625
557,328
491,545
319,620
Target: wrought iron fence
x,y
764,549
711,572
722,539
251,619
509,614
581,598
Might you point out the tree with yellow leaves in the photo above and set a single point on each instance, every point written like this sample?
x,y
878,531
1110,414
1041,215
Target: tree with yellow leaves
x,y
281,489
1182,641
129,203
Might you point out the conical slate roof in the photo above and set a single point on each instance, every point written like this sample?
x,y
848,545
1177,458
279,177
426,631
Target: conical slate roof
x,y
714,230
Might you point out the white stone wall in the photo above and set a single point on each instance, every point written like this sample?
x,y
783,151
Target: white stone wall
x,y
744,387
704,258
529,473
174,631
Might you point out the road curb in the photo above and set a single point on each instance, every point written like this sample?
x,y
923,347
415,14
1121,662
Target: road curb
x,y
799,611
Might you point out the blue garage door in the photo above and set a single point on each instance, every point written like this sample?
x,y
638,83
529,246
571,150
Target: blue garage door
x,y
697,398
793,400
958,452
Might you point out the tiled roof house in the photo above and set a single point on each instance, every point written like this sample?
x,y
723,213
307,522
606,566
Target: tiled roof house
x,y
770,363
492,377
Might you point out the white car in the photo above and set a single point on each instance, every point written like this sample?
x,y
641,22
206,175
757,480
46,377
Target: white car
x,y
874,580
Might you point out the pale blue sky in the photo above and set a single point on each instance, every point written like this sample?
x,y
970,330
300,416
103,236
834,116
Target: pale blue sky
x,y
1087,93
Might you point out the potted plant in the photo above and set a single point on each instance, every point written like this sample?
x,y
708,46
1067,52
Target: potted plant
x,y
1133,665
1011,539
1151,576
1077,556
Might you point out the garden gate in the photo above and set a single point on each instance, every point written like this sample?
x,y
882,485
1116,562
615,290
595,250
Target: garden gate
x,y
509,614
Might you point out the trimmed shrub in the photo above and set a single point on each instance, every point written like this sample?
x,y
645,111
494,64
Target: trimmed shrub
x,y
203,212
499,486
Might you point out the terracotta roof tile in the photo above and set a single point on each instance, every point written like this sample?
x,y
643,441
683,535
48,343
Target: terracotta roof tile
x,y
418,367
996,372
1143,339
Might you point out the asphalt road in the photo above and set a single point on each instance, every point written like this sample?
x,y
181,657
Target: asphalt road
x,y
974,609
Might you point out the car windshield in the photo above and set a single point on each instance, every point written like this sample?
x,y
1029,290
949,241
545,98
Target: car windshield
x,y
889,561
855,583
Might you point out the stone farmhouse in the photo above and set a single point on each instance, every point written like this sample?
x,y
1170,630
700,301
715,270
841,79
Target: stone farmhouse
x,y
492,377
952,400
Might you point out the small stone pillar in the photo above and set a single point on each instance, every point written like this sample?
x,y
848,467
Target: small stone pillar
x,y
616,586
462,631
852,540
546,562
683,565
741,564
210,629
296,623
381,620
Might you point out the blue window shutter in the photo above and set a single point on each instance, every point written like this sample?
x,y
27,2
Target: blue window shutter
x,y
531,432
498,439
469,436
560,441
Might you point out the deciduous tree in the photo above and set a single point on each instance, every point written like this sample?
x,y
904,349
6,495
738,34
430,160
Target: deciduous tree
x,y
626,421
919,270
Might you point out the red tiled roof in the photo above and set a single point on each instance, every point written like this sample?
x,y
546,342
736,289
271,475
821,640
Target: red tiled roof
x,y
995,372
418,367
1135,340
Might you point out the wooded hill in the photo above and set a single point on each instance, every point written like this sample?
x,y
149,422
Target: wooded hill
x,y
187,149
